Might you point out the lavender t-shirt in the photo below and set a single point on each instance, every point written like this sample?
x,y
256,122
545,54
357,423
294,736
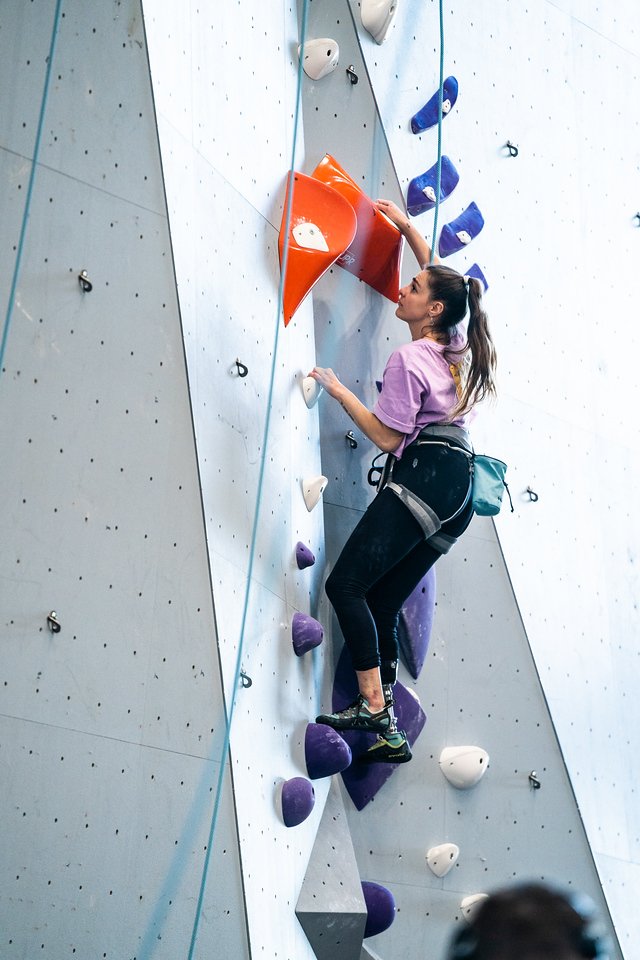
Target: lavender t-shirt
x,y
418,388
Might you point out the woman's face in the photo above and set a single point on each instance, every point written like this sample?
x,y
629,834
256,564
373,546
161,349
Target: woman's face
x,y
414,299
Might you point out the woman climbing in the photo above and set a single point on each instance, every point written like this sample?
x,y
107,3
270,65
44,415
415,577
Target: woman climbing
x,y
429,388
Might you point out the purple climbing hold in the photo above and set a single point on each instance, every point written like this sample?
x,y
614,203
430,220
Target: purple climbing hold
x,y
362,779
428,115
381,908
416,622
298,799
475,271
456,235
306,633
326,752
304,556
421,194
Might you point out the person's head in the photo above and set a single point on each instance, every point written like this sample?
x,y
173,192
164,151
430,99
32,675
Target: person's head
x,y
433,304
530,922
435,301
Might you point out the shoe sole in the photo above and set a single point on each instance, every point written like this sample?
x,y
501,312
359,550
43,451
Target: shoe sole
x,y
367,726
390,758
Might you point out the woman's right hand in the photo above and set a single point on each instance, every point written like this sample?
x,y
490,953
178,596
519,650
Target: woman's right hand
x,y
328,380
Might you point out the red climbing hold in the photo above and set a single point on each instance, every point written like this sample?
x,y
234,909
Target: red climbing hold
x,y
375,253
321,225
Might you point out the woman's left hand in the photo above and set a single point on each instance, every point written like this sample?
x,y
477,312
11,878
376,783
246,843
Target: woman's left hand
x,y
327,379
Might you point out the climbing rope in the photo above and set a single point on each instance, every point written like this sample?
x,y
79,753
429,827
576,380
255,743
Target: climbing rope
x,y
439,163
229,715
32,177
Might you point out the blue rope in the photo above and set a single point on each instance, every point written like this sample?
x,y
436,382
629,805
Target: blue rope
x,y
254,533
439,166
32,177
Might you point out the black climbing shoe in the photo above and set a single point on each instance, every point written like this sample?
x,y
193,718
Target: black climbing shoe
x,y
390,748
357,716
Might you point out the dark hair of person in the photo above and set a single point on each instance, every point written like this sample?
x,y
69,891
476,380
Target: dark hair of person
x,y
529,922
478,354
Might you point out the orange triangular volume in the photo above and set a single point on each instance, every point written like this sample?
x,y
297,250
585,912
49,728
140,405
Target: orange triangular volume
x,y
322,224
376,252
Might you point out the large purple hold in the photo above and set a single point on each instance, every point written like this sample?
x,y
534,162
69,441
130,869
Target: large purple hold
x,y
363,779
325,751
304,556
416,622
381,908
306,633
298,799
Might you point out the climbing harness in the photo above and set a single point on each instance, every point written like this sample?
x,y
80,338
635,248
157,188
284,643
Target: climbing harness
x,y
485,488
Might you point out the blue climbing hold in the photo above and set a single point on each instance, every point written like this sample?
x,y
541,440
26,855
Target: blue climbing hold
x,y
428,116
475,271
421,194
461,231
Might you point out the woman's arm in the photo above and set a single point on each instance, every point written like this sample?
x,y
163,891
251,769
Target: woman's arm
x,y
379,433
418,244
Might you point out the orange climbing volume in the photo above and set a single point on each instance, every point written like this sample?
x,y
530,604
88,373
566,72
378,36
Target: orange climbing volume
x,y
375,254
321,225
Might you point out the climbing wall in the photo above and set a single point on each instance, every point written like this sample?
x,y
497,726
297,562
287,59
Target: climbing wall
x,y
155,443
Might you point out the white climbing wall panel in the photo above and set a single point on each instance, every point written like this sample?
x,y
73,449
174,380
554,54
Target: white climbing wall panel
x,y
225,88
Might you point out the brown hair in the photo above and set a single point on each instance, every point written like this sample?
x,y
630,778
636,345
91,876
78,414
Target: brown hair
x,y
478,354
531,921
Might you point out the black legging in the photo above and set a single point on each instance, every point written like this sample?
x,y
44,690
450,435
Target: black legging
x,y
387,555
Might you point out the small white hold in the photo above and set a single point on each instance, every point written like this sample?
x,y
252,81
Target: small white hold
x,y
464,237
442,858
446,106
320,58
429,193
463,766
308,235
312,490
311,390
470,905
377,17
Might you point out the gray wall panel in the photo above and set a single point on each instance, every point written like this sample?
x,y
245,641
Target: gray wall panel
x,y
112,729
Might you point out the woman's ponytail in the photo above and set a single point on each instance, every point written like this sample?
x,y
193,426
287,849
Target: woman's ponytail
x,y
480,366
476,361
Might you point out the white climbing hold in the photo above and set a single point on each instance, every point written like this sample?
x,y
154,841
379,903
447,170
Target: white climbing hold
x,y
320,57
312,490
463,766
311,390
377,17
464,236
442,858
470,905
310,236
